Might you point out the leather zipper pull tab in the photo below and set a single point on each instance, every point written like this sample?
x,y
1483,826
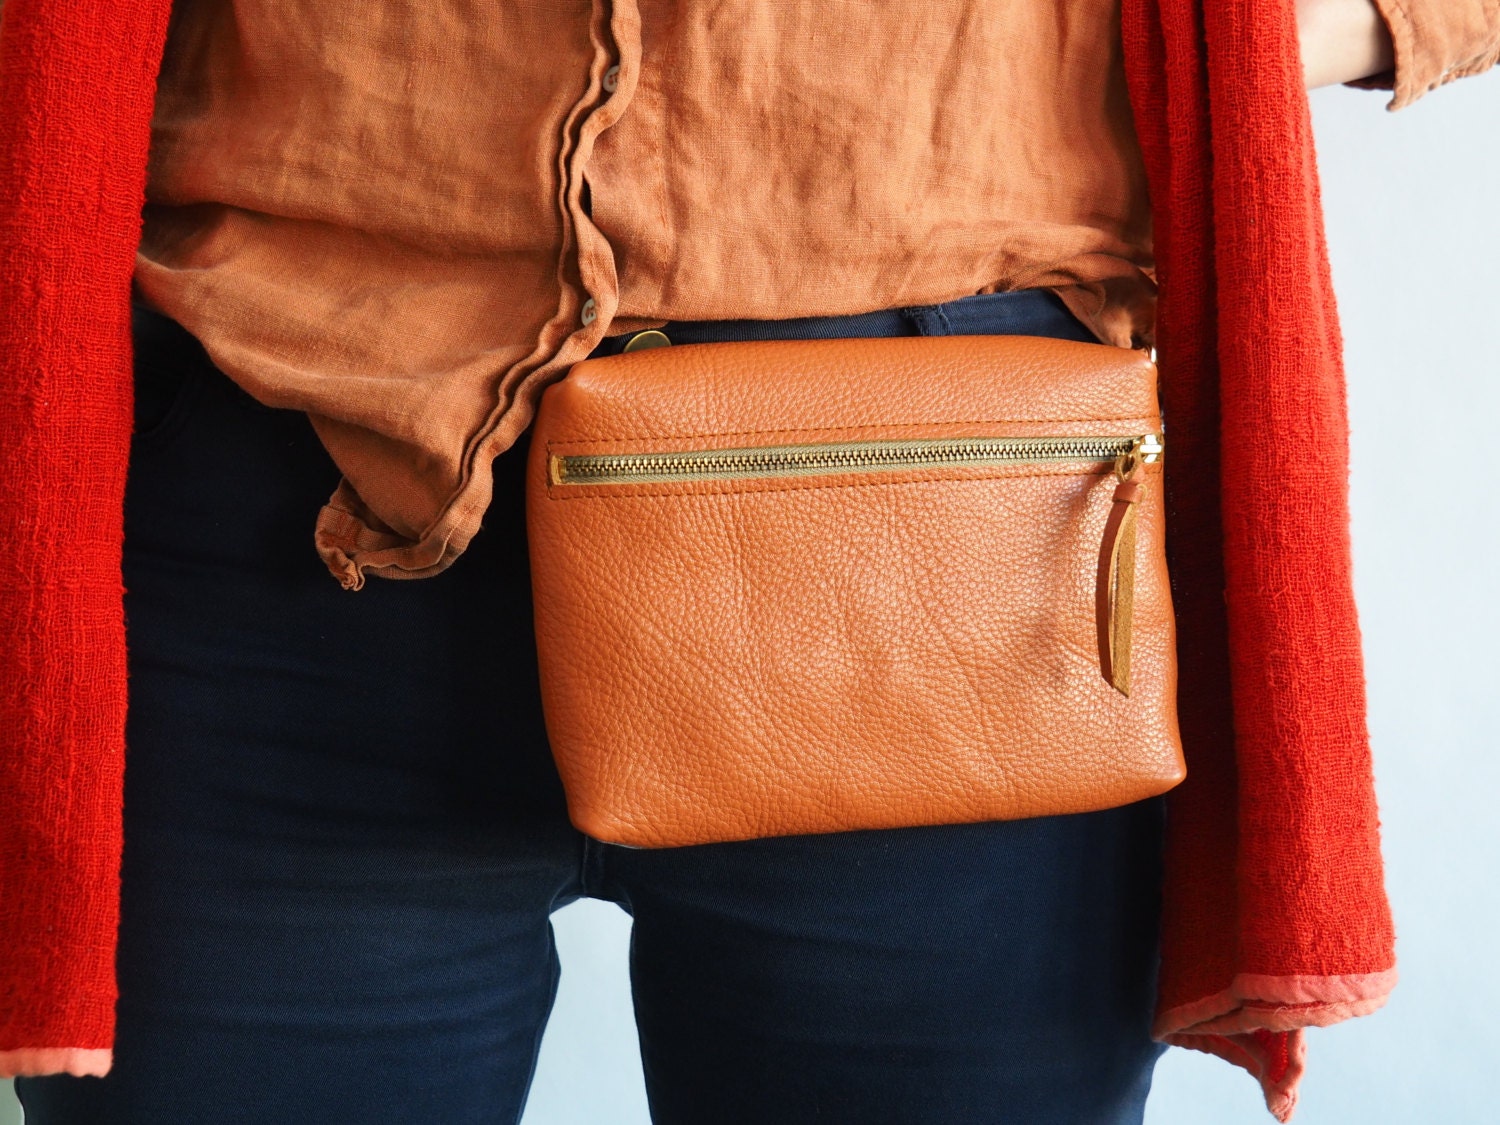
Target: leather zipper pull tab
x,y
1114,596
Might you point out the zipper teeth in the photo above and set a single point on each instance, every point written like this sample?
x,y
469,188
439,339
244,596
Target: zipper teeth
x,y
832,457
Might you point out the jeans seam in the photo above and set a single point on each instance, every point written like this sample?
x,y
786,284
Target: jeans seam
x,y
591,867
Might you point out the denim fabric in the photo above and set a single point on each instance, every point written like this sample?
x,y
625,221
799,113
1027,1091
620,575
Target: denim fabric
x,y
345,835
1034,312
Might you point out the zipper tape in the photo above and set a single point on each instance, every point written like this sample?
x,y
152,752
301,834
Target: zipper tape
x,y
821,458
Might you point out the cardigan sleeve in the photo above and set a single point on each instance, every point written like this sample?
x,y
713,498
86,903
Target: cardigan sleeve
x,y
1436,41
77,82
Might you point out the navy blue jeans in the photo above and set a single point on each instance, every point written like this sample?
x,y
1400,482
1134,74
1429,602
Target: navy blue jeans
x,y
345,836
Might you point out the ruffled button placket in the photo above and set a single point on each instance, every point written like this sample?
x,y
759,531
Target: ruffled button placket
x,y
587,253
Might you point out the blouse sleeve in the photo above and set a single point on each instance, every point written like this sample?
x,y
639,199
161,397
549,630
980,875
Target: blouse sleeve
x,y
1435,42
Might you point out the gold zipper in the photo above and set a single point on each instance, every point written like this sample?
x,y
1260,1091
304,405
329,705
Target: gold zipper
x,y
822,458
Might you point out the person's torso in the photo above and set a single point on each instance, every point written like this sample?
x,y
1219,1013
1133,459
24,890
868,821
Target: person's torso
x,y
392,215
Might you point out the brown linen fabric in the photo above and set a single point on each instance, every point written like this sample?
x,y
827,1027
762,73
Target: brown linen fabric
x,y
1436,42
406,219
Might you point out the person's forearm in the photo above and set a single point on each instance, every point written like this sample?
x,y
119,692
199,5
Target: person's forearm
x,y
1342,40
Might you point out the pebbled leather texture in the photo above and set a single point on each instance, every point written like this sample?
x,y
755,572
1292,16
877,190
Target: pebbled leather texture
x,y
724,660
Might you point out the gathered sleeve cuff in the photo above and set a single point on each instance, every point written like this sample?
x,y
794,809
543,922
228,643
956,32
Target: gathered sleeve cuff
x,y
1436,41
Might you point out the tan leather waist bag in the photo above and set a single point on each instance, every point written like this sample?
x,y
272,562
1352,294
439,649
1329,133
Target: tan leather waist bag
x,y
807,586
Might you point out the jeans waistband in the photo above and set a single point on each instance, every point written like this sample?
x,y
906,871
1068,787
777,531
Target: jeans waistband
x,y
1038,312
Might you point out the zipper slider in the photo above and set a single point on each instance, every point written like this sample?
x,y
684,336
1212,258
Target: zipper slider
x,y
1143,450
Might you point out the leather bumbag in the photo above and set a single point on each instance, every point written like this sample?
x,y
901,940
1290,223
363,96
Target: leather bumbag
x,y
788,587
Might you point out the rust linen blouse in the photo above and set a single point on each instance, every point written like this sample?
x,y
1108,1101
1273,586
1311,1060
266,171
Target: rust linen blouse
x,y
406,219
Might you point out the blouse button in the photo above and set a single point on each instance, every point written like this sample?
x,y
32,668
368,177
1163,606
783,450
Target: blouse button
x,y
611,79
589,313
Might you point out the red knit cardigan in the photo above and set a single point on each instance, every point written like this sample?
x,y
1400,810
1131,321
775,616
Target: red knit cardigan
x,y
1275,916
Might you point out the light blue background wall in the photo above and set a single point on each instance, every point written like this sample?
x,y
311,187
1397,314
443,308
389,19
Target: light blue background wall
x,y
1411,200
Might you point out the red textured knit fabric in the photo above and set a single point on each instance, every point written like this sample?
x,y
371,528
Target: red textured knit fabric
x,y
76,84
1275,910
1275,915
